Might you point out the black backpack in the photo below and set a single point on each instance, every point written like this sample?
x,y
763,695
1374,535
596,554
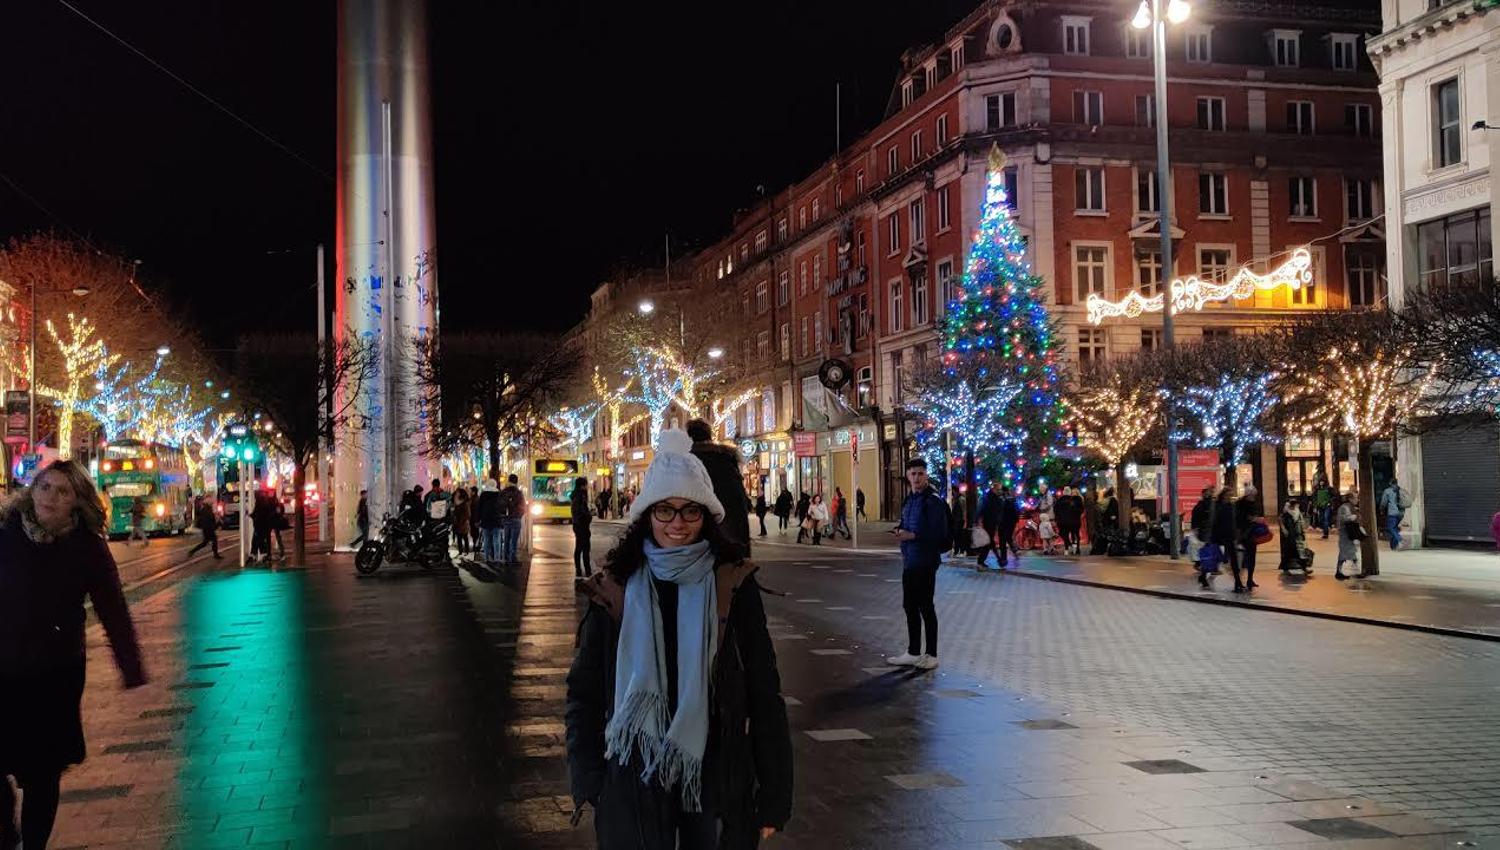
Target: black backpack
x,y
510,502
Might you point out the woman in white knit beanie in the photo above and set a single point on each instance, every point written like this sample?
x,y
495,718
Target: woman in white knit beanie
x,y
677,732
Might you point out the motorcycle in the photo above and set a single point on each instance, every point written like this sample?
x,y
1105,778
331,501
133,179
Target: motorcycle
x,y
419,540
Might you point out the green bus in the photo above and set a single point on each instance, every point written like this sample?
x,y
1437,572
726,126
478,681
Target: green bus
x,y
157,474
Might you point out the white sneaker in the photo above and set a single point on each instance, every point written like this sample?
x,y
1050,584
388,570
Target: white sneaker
x,y
926,662
905,659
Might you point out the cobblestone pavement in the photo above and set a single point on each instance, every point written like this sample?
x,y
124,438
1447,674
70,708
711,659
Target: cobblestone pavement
x,y
314,709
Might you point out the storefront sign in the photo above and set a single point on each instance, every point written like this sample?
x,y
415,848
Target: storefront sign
x,y
17,413
806,443
747,449
638,454
1192,482
1197,458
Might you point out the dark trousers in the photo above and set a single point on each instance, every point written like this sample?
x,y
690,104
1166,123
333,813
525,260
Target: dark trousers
x,y
783,519
364,531
40,794
762,518
210,538
1069,534
918,584
581,566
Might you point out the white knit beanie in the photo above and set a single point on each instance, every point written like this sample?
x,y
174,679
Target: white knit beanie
x,y
676,473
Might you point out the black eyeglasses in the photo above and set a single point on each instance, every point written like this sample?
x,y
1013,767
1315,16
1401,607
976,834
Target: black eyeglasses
x,y
664,512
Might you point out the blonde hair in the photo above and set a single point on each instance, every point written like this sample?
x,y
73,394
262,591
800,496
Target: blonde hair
x,y
88,507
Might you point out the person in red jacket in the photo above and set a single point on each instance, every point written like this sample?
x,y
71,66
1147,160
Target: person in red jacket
x,y
52,556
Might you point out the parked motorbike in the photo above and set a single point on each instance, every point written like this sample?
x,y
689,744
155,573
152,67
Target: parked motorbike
x,y
414,539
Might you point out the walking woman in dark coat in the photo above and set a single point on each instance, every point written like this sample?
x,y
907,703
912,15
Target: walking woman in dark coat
x,y
52,556
677,733
583,520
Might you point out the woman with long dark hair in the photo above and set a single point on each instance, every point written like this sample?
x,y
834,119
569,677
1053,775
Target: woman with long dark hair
x,y
52,556
677,733
583,520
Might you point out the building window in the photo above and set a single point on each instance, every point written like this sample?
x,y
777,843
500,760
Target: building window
x,y
817,271
786,341
1138,43
1217,334
760,242
947,283
893,234
818,330
1093,346
781,230
1147,197
1213,264
999,111
817,209
1447,140
763,345
1359,119
906,93
801,219
1150,339
1211,113
802,279
1088,107
838,195
1306,295
897,306
1011,179
1299,117
1302,197
942,130
1199,44
1088,189
1075,35
1145,110
957,58
892,161
916,146
1090,266
918,214
1345,46
802,347
744,251
1362,269
762,296
944,214
919,315
783,288
1359,200
859,182
1213,193
1284,44
1148,272
859,247
1456,251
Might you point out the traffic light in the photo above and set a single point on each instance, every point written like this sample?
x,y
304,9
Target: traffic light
x,y
240,443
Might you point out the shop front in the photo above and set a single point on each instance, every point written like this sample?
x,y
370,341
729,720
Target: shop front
x,y
839,465
766,463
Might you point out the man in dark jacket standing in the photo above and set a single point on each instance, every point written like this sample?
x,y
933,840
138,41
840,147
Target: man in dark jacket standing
x,y
491,523
513,513
924,537
723,465
784,508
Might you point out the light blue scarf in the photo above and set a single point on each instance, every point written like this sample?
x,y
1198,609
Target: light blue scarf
x,y
671,747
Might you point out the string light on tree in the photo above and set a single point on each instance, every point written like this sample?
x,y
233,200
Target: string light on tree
x,y
1231,416
83,355
657,388
1114,417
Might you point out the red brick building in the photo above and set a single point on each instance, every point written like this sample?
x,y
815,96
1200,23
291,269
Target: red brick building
x,y
1274,116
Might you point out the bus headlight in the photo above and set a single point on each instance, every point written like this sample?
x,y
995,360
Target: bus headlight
x,y
161,510
536,509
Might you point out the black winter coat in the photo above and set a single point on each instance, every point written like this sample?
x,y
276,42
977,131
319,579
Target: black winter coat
x,y
784,504
488,509
747,767
723,465
582,514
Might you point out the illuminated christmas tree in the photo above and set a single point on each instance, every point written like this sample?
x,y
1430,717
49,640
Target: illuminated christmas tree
x,y
998,350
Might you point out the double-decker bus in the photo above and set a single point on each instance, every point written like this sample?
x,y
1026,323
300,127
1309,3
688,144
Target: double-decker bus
x,y
156,473
227,487
552,489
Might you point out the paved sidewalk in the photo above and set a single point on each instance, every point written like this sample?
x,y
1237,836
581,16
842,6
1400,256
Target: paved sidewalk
x,y
1449,591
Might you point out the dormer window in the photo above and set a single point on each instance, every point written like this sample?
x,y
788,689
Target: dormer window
x,y
1285,44
1076,34
908,93
1199,46
956,57
1343,51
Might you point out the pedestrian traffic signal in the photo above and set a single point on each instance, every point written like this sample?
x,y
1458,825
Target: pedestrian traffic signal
x,y
240,443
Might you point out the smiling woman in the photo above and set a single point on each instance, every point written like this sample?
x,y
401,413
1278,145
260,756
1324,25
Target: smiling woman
x,y
677,755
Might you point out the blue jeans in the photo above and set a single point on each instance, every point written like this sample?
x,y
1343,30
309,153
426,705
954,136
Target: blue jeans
x,y
1393,528
512,537
490,542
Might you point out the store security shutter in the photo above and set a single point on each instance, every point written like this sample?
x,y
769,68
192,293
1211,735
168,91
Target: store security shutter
x,y
1461,482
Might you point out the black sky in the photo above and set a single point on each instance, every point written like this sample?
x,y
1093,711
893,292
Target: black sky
x,y
569,136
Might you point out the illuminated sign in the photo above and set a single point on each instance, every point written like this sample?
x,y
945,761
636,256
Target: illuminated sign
x,y
1190,294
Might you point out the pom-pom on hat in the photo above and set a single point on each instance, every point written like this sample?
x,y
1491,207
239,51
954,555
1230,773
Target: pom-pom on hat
x,y
676,473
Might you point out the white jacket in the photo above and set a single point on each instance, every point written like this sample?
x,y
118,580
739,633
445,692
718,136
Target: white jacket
x,y
818,511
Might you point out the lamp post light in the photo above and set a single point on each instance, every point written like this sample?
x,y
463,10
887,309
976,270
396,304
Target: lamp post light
x,y
79,291
1156,14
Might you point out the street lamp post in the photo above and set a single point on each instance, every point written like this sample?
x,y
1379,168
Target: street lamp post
x,y
79,291
1156,14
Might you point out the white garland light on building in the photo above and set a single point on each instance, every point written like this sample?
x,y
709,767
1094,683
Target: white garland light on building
x,y
1191,293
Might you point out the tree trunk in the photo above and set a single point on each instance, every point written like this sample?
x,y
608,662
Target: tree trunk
x,y
970,494
1232,479
1124,497
1370,546
493,435
299,534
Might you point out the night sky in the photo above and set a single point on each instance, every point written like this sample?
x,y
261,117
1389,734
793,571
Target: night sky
x,y
569,138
